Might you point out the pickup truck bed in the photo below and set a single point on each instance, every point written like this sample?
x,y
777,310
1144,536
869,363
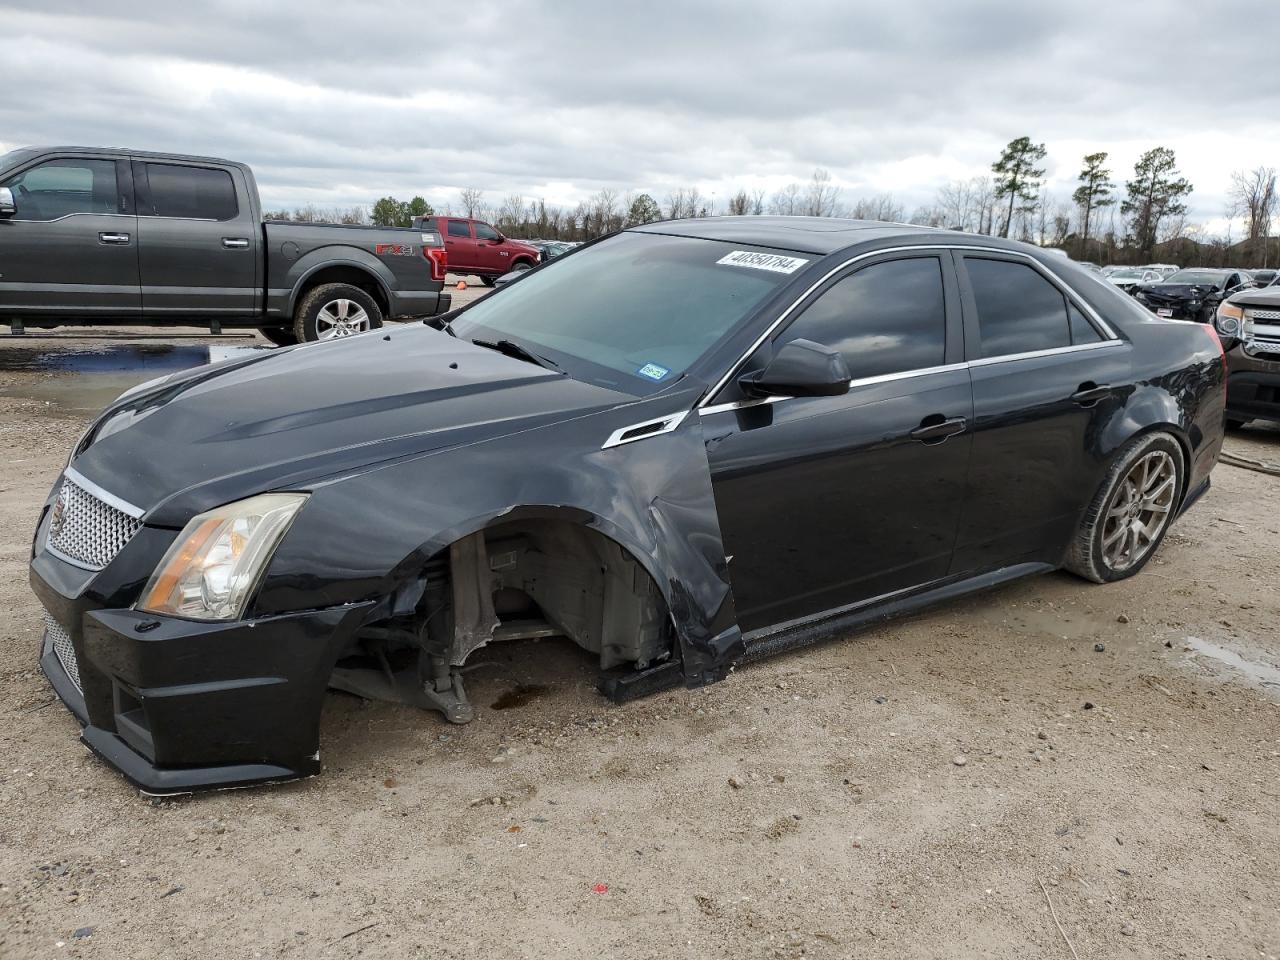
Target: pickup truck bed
x,y
96,235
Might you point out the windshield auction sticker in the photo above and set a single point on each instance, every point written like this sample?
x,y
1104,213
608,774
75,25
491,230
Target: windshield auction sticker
x,y
773,262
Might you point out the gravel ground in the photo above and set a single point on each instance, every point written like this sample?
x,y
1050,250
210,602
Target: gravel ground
x,y
942,786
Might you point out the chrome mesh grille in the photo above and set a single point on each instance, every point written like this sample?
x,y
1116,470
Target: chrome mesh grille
x,y
1252,314
87,530
63,648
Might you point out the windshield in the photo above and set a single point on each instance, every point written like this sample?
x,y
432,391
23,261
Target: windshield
x,y
634,311
1203,278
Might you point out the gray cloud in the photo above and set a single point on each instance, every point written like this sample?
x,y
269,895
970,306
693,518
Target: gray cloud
x,y
339,103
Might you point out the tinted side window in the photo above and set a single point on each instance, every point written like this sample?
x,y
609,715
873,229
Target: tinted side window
x,y
459,228
59,188
1018,309
886,318
1082,331
485,232
192,193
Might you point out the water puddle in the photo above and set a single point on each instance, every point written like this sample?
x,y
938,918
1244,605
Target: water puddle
x,y
85,379
1254,673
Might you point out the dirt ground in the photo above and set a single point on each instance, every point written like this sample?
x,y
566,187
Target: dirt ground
x,y
944,786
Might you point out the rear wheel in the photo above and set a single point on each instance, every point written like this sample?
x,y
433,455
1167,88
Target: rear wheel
x,y
488,281
1131,513
335,310
280,336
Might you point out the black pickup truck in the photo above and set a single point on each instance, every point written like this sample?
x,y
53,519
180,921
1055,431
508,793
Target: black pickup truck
x,y
119,236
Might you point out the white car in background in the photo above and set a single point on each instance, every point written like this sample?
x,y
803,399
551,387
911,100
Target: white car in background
x,y
1128,278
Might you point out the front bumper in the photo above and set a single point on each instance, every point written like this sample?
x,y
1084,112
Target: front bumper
x,y
177,705
1253,386
1177,309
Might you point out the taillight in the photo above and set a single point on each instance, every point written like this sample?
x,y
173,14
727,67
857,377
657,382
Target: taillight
x,y
439,260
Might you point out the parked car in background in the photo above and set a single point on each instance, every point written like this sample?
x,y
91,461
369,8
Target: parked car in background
x,y
687,444
1263,278
1128,278
93,235
477,249
1249,324
1191,294
1164,269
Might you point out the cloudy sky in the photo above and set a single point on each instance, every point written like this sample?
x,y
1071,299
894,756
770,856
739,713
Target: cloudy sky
x,y
338,103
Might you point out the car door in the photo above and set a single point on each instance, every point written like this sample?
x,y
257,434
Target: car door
x,y
491,253
199,246
70,249
826,502
1047,377
461,246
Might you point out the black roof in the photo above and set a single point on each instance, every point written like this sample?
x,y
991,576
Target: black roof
x,y
818,235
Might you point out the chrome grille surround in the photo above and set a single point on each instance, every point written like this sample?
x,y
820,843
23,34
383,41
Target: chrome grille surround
x,y
63,647
88,526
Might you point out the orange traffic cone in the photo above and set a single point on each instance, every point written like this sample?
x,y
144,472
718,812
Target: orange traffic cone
x,y
462,284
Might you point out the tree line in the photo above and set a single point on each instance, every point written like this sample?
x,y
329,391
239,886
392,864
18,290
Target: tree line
x,y
1100,221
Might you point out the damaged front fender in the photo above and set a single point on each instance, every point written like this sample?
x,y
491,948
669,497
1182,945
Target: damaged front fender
x,y
369,535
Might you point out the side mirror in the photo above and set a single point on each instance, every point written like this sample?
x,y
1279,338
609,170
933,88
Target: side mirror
x,y
7,207
801,368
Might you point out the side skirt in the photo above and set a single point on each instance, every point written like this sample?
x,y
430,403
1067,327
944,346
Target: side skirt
x,y
824,626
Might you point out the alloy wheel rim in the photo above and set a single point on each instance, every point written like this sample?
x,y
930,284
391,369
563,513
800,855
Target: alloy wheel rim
x,y
1139,510
341,318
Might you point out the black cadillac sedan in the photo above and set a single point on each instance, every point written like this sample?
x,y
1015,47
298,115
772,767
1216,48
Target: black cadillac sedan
x,y
688,444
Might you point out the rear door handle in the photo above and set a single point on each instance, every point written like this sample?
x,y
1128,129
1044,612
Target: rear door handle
x,y
1089,393
235,243
935,428
113,237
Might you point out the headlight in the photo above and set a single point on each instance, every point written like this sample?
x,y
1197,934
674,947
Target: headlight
x,y
1230,319
213,567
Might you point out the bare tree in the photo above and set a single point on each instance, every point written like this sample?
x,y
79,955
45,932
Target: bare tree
x,y
470,199
739,204
787,202
1253,196
511,214
882,207
822,196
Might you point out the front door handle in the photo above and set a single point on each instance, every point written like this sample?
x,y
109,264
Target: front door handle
x,y
113,237
935,428
1089,393
235,243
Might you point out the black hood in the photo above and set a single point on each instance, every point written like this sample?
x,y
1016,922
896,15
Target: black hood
x,y
1180,291
227,431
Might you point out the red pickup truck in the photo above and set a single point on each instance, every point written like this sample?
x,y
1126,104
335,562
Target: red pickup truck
x,y
476,249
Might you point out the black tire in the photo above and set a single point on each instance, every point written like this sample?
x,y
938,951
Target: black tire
x,y
520,265
307,324
1234,424
280,336
488,281
1087,557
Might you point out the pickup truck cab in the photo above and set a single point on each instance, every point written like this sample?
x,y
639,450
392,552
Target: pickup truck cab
x,y
119,236
477,249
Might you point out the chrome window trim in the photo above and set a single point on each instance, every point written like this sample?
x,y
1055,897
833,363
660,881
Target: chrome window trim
x,y
859,382
68,216
925,372
106,496
1093,315
666,424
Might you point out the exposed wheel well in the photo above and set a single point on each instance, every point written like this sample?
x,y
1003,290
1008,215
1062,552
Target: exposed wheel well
x,y
535,576
346,274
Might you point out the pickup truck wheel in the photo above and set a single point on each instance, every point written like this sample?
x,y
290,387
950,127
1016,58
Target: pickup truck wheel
x,y
1132,511
335,310
280,336
488,281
